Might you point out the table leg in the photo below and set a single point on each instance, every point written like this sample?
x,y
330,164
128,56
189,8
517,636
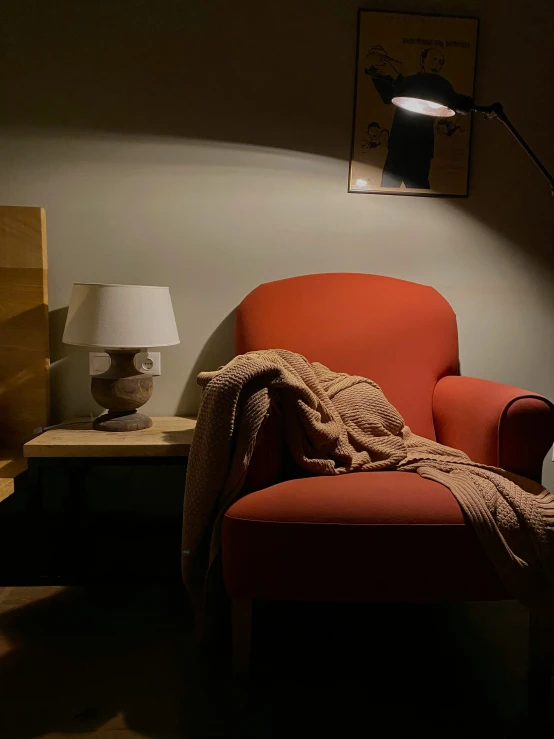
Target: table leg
x,y
58,535
40,529
76,538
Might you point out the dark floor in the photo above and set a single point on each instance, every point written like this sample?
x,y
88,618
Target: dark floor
x,y
119,663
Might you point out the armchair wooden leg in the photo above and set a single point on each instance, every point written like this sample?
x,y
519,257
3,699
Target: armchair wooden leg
x,y
541,663
241,616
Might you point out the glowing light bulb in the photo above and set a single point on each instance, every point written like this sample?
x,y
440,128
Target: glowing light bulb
x,y
414,105
425,107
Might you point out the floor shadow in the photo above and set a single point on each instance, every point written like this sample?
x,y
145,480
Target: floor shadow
x,y
217,351
121,660
82,661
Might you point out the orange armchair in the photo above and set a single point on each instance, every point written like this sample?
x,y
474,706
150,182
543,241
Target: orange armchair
x,y
372,536
494,424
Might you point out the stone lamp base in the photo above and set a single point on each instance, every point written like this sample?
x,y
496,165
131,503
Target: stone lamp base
x,y
122,389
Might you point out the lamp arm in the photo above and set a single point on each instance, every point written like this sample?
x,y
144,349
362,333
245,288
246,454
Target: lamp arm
x,y
496,110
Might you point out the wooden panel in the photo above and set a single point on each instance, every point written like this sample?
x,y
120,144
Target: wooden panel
x,y
170,436
24,351
9,470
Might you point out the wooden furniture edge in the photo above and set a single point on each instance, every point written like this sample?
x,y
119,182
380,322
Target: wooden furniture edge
x,y
24,328
10,468
75,438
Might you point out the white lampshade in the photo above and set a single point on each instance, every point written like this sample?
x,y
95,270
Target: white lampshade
x,y
120,317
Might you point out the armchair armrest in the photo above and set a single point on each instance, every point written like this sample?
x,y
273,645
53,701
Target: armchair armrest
x,y
494,424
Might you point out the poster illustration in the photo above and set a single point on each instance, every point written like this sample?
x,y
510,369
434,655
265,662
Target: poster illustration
x,y
397,151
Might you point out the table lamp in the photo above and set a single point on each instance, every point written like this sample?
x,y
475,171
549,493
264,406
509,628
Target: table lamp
x,y
431,94
122,320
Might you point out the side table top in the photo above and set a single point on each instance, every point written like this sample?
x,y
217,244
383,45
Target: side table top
x,y
169,436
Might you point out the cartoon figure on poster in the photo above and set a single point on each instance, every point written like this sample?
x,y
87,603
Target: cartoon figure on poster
x,y
376,136
411,142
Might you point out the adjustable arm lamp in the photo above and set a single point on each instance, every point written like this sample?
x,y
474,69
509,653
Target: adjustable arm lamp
x,y
430,94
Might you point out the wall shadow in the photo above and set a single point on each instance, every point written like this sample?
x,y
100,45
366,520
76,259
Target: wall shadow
x,y
69,374
277,75
265,74
69,371
217,351
197,70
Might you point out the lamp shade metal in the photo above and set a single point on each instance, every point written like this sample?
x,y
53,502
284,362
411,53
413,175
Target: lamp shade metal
x,y
120,317
430,94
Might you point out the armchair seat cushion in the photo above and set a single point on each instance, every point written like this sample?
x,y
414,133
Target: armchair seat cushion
x,y
377,536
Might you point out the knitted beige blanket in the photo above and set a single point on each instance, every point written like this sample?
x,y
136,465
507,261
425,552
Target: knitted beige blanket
x,y
337,424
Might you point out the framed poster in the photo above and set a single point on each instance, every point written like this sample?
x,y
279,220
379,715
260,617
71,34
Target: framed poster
x,y
396,151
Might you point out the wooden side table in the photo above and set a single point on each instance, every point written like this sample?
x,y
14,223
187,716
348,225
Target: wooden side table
x,y
169,436
75,447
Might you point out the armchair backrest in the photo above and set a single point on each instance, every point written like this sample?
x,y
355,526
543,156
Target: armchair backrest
x,y
400,334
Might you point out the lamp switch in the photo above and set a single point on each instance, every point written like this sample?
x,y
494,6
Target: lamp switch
x,y
149,363
98,362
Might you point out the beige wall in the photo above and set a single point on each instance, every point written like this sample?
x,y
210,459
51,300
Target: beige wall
x,y
207,150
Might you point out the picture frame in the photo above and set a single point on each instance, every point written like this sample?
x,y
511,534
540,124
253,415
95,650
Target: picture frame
x,y
396,151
